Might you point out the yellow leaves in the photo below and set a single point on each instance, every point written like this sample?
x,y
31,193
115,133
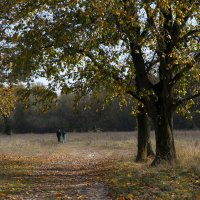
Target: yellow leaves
x,y
82,197
8,100
129,175
197,77
131,196
121,198
198,197
38,95
173,54
164,4
196,72
118,13
185,110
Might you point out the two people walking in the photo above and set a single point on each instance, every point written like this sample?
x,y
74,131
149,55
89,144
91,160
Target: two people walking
x,y
61,135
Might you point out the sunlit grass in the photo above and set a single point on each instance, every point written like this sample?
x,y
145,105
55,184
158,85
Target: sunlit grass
x,y
164,182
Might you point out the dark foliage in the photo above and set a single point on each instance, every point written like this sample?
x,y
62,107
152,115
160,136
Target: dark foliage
x,y
64,115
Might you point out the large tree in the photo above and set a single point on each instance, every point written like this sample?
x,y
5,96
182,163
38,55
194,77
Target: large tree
x,y
27,36
14,15
147,49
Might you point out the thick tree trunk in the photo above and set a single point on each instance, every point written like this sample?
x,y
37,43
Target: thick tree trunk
x,y
144,148
150,151
165,148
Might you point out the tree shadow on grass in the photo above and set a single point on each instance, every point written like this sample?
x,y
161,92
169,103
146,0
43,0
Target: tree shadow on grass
x,y
28,180
156,183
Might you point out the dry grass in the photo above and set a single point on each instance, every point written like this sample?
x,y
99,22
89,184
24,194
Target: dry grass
x,y
21,153
188,149
121,145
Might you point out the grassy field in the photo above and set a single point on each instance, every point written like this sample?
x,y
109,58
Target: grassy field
x,y
95,166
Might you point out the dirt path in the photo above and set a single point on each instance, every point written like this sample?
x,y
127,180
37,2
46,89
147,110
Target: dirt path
x,y
80,175
97,191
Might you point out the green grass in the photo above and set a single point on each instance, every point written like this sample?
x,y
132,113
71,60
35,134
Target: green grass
x,y
149,183
12,173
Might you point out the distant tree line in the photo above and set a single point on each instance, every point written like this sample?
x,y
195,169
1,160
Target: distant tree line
x,y
82,119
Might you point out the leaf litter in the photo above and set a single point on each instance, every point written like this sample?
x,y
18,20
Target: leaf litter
x,y
74,176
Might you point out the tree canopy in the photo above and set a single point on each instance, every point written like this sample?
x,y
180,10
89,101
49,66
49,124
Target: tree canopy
x,y
85,45
148,49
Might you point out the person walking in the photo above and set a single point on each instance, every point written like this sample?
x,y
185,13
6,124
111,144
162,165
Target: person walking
x,y
58,133
64,136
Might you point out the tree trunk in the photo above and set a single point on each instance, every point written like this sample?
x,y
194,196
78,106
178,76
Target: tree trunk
x,y
7,126
150,151
144,148
165,148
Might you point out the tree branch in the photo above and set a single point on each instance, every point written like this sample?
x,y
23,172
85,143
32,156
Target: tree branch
x,y
187,99
179,75
189,13
134,94
101,67
150,19
190,33
150,64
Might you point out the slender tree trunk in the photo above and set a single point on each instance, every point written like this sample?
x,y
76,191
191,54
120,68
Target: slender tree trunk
x,y
144,148
7,126
165,148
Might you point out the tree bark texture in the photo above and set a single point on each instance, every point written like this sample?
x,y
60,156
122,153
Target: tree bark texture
x,y
144,148
165,148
